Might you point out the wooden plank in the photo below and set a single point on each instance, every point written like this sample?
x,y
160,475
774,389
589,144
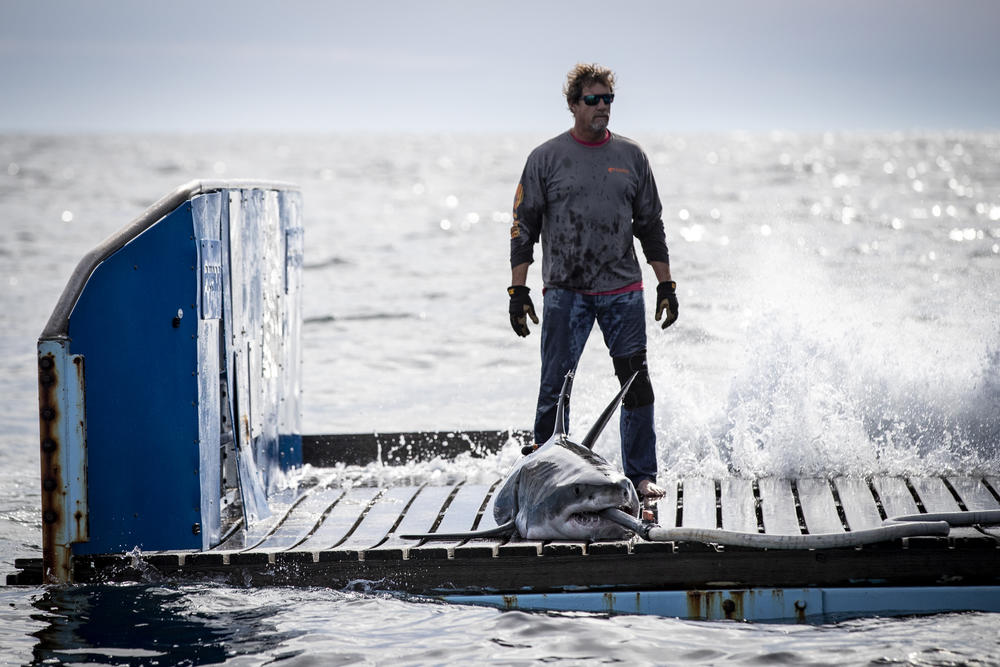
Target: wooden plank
x,y
461,513
459,516
818,506
934,495
739,507
777,505
895,496
858,502
300,520
281,505
976,497
340,520
421,515
234,541
993,482
974,493
485,546
488,521
380,519
699,504
665,508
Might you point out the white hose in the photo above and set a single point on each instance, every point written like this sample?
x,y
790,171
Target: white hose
x,y
904,528
981,518
818,541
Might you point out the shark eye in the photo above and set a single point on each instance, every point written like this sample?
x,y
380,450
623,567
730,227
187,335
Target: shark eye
x,y
576,490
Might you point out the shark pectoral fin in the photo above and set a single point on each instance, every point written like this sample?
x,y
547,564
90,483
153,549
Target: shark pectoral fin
x,y
602,421
501,530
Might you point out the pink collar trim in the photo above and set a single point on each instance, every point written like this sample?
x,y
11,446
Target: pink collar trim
x,y
606,139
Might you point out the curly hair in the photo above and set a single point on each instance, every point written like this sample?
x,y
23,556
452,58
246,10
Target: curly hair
x,y
585,75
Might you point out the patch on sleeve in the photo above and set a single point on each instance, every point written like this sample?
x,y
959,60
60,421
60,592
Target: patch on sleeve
x,y
515,230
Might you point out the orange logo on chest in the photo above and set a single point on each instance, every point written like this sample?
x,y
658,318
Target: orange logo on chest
x,y
617,170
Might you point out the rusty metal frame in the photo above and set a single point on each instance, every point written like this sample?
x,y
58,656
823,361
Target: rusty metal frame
x,y
63,431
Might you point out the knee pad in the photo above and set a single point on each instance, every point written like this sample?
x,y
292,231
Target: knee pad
x,y
641,391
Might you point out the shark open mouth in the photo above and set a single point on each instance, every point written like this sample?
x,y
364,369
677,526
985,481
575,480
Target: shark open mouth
x,y
594,516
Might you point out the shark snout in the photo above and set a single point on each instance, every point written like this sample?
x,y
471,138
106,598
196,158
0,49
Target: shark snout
x,y
630,499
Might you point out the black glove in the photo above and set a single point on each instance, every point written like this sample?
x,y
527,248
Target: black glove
x,y
521,309
666,300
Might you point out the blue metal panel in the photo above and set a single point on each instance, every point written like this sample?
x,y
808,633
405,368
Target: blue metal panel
x,y
909,600
192,294
767,604
136,324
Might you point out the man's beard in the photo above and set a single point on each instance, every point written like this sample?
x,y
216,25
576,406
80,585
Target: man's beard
x,y
599,124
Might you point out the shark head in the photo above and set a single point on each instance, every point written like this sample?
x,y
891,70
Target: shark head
x,y
558,491
561,490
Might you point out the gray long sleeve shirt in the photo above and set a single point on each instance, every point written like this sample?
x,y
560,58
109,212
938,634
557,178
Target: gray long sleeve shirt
x,y
586,203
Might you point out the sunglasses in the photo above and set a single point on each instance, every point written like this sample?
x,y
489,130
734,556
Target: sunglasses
x,y
591,100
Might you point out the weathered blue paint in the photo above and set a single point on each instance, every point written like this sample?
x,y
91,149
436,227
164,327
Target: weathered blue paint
x,y
756,604
199,294
136,325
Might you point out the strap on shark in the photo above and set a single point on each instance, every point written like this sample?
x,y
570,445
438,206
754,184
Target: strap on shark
x,y
561,426
595,431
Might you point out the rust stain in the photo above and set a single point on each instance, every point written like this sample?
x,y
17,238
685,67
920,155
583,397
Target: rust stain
x,y
733,606
800,611
717,604
695,604
54,556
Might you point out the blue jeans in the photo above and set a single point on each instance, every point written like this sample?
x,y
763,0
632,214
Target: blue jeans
x,y
567,320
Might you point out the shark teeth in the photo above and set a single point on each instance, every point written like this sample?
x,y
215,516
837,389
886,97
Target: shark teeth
x,y
593,517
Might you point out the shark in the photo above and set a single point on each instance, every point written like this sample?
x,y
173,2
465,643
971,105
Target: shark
x,y
562,490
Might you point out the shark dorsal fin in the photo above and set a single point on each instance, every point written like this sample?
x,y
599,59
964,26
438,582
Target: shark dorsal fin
x,y
602,421
561,427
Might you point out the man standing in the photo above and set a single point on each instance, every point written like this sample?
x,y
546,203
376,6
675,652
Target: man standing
x,y
585,194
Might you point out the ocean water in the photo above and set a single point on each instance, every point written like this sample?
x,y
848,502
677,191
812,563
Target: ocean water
x,y
839,314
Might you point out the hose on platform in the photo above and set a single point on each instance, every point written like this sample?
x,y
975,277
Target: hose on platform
x,y
655,533
956,519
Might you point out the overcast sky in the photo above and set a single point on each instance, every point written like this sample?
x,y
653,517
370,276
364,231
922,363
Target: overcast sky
x,y
436,65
